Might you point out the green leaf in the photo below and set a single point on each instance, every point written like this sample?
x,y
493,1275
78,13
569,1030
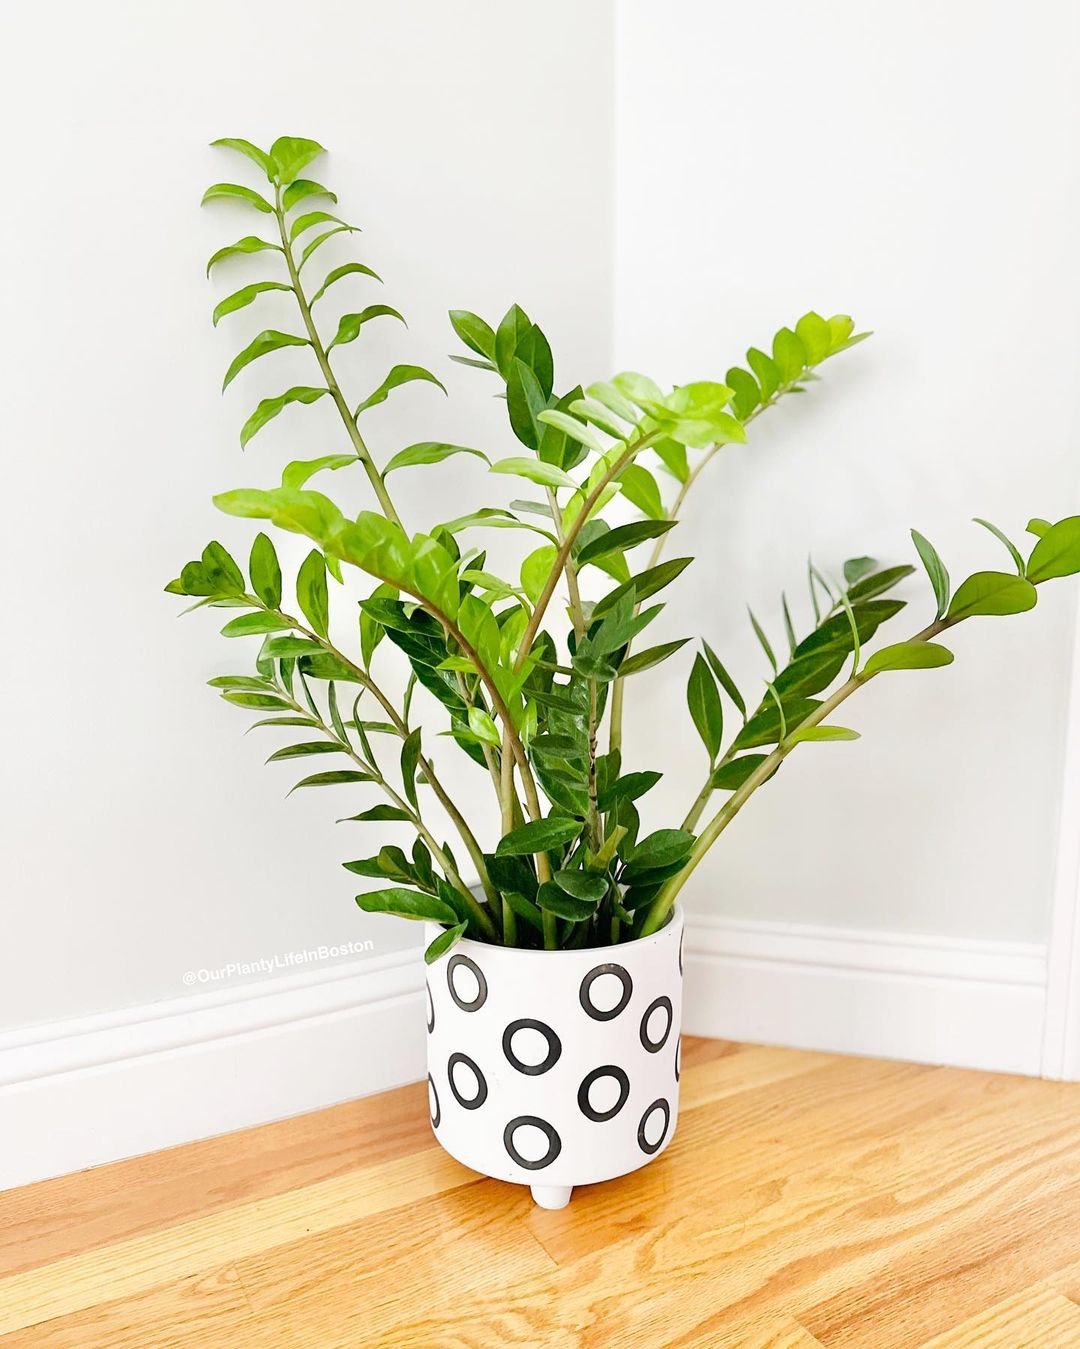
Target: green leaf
x,y
703,700
410,757
673,456
249,624
311,592
1038,527
347,269
726,682
253,153
789,355
318,242
760,635
628,788
640,488
311,218
349,325
428,452
747,391
992,592
584,885
621,538
821,733
935,570
653,655
332,779
296,473
408,904
302,188
813,332
482,726
290,155
763,728
513,327
570,426
525,402
260,702
538,836
536,471
1058,551
908,656
645,583
524,909
269,408
1013,551
267,341
400,374
855,568
289,648
304,749
443,942
240,299
249,244
224,576
477,335
238,193
536,569
660,849
249,682
878,583
730,777
766,370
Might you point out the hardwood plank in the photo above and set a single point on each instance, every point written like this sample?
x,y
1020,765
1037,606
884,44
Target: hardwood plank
x,y
1037,1317
44,1222
203,1312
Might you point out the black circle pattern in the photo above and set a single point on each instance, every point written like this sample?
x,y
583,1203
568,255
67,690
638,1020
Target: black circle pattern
x,y
430,1008
643,1142
658,1004
584,1104
585,994
475,1102
554,1046
554,1142
436,1119
474,1004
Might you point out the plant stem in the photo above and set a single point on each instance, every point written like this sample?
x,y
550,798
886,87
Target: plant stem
x,y
362,451
661,905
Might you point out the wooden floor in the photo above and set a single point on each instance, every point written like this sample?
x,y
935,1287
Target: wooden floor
x,y
807,1199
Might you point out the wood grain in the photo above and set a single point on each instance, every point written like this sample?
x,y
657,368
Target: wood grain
x,y
807,1201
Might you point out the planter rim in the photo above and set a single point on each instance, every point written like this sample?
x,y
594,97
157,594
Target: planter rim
x,y
517,952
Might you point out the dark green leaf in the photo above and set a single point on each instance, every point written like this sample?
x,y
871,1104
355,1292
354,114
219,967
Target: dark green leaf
x,y
653,655
730,776
538,836
408,904
477,335
628,788
878,583
524,909
855,568
258,701
443,942
623,537
265,572
302,750
703,700
378,815
513,326
525,402
410,755
763,728
660,849
584,885
333,779
553,899
760,635
726,682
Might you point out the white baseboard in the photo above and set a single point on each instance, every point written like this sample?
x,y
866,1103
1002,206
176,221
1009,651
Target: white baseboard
x,y
942,1000
77,1094
81,1093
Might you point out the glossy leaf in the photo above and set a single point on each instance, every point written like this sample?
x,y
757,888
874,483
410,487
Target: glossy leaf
x,y
269,408
348,269
759,633
248,244
653,655
332,779
992,592
703,700
729,777
237,193
399,374
302,188
296,473
305,749
409,904
428,452
554,899
535,470
252,152
290,155
935,570
444,942
908,656
249,625
270,340
311,218
725,680
641,489
1058,551
576,430
623,537
584,885
538,836
349,325
821,733
410,758
240,299
477,335
660,849
318,242
311,592
1011,547
265,572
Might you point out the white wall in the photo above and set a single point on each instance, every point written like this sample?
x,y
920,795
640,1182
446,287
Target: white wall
x,y
917,166
141,835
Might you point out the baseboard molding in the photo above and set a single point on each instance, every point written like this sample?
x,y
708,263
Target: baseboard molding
x,y
941,1000
77,1094
82,1093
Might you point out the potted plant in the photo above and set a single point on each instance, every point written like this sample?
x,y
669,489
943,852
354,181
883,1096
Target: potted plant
x,y
554,953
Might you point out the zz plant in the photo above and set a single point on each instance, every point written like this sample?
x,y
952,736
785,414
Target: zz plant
x,y
535,701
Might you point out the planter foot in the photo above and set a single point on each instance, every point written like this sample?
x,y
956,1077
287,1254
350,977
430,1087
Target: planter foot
x,y
551,1196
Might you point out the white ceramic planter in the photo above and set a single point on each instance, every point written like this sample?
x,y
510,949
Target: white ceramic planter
x,y
556,1068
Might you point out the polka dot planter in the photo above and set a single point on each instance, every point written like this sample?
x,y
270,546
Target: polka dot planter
x,y
556,1068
